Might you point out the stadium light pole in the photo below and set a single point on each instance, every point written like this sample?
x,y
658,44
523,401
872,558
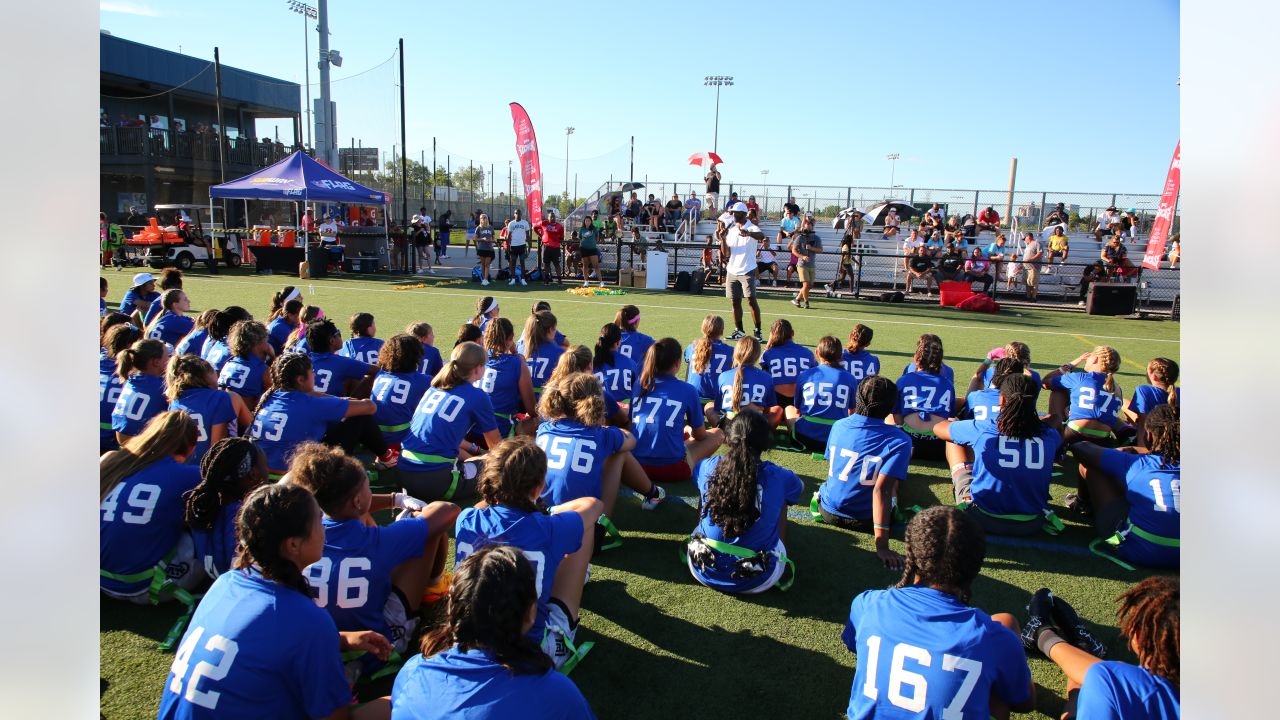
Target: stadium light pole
x,y
718,81
764,179
893,166
307,12
567,132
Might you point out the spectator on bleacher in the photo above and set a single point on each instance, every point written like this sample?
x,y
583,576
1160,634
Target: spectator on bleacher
x,y
791,205
713,188
950,265
1092,273
1032,255
1059,246
1175,250
969,227
989,219
909,245
767,261
1116,258
997,254
952,232
753,210
633,207
934,218
673,206
789,225
1129,223
651,213
892,223
692,213
1057,217
855,225
733,198
1105,223
934,245
978,269
919,266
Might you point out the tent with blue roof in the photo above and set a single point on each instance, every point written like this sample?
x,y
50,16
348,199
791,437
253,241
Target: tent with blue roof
x,y
299,178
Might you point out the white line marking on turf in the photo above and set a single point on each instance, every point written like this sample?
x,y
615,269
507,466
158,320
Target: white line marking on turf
x,y
879,319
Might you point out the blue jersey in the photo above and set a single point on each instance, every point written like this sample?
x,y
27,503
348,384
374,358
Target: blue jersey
x,y
926,393
128,304
333,371
982,404
542,363
1115,691
859,450
501,382
141,398
575,458
947,372
171,328
543,539
102,306
208,408
776,487
245,376
786,361
397,395
1154,494
1148,397
659,418
278,333
440,422
634,345
153,310
1010,476
432,363
302,346
255,649
472,685
216,547
618,380
757,388
109,387
924,654
860,365
217,353
353,579
559,340
706,381
824,394
291,417
364,348
140,521
990,373
192,344
1089,399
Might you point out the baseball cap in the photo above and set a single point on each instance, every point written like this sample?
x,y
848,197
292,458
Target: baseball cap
x,y
738,207
416,218
142,279
1132,210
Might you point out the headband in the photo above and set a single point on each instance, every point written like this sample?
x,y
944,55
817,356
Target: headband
x,y
493,305
293,294
634,320
246,465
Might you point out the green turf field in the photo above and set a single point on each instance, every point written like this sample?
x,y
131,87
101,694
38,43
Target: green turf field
x,y
662,640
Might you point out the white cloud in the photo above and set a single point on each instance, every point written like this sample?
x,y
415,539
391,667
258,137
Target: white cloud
x,y
126,8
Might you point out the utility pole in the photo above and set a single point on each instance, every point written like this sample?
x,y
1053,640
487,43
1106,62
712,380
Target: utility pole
x,y
631,177
325,142
404,167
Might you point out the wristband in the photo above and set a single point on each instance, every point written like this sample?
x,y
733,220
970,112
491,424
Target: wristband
x,y
877,526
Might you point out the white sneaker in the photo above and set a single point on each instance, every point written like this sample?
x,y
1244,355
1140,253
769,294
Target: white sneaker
x,y
484,282
586,283
601,283
522,282
512,281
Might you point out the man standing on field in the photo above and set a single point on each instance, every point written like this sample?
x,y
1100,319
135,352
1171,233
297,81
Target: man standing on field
x,y
738,242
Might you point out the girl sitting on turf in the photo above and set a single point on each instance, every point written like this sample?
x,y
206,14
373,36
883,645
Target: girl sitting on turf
x,y
867,459
857,361
396,562
140,530
215,349
664,407
468,333
978,668
558,541
172,324
617,375
336,374
924,400
194,340
247,370
585,457
785,360
945,371
1094,396
746,386
363,345
116,341
738,544
398,387
191,386
431,360
1018,351
481,663
827,395
539,347
574,360
983,400
284,317
1007,486
294,412
450,409
1096,688
141,366
486,310
1138,496
109,321
297,341
634,343
229,471
1162,373
542,306
706,358
262,616
507,381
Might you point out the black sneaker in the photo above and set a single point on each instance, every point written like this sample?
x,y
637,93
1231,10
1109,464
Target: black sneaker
x,y
1078,506
758,335
1040,618
1074,631
737,335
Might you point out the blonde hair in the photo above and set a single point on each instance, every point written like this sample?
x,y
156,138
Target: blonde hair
x,y
746,354
167,434
1110,359
463,361
498,336
712,330
574,360
184,373
536,329
577,396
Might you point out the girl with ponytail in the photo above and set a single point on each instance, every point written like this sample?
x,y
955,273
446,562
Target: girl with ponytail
x,y
664,407
141,366
785,360
925,398
742,503
507,380
857,361
194,341
192,386
115,341
539,348
943,369
1162,373
983,401
634,343
617,375
1090,400
827,395
285,317
297,340
229,470
1015,350
745,387
706,358
560,339
1006,487
171,324
481,656
216,349
247,372
486,310
398,387
431,360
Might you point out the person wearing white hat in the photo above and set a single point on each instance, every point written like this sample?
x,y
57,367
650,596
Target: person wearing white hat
x,y
738,242
141,293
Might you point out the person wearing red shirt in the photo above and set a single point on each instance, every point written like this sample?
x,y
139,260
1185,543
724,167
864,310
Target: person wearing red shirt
x,y
988,219
753,210
552,239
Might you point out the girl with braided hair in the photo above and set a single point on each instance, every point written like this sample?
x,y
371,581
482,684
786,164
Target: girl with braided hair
x,y
141,367
398,387
284,318
274,648
246,372
1019,351
634,343
191,385
785,359
1138,495
118,338
617,375
194,340
925,398
738,546
944,369
171,325
539,348
857,361
558,541
229,471
1093,396
480,662
506,380
983,400
745,387
1162,373
1149,615
706,358
665,405
978,666
297,340
1007,487
216,349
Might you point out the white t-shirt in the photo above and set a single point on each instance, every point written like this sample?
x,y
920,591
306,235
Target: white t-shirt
x,y
742,249
328,227
518,232
908,244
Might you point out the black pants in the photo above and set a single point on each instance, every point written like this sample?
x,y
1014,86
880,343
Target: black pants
x,y
984,278
844,522
353,432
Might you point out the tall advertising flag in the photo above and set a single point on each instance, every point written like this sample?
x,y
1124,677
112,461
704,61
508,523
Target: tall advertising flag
x,y
530,167
1164,216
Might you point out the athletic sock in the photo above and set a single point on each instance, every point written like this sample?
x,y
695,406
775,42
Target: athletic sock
x,y
1046,639
653,491
961,471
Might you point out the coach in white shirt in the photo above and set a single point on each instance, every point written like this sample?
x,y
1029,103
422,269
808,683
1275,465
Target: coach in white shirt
x,y
517,247
738,241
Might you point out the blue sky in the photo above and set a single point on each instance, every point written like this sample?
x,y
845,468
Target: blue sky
x,y
1084,94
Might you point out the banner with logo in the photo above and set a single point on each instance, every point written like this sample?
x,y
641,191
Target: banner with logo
x,y
1164,215
530,167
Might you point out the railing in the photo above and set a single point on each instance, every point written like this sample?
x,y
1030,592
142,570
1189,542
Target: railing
x,y
158,143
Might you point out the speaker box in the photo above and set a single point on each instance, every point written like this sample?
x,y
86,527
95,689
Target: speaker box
x,y
1112,299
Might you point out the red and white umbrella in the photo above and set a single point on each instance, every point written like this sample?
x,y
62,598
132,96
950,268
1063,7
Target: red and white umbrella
x,y
704,158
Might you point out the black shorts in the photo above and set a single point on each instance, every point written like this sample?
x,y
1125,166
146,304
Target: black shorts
x,y
762,267
518,251
585,253
550,254
844,522
484,253
421,242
